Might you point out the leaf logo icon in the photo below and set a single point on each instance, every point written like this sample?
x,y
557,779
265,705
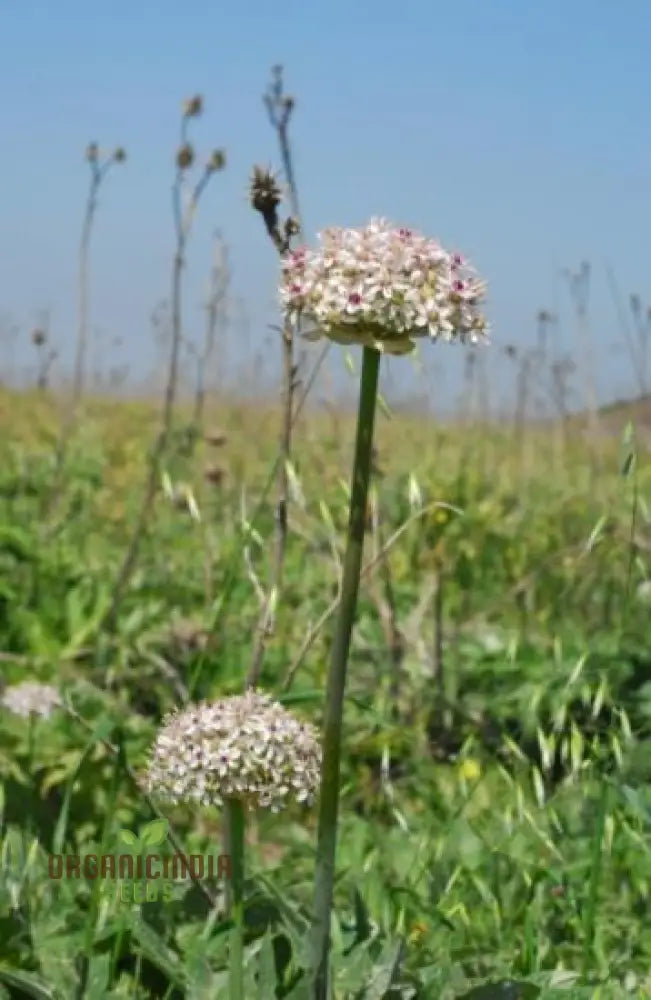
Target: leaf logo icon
x,y
127,837
154,833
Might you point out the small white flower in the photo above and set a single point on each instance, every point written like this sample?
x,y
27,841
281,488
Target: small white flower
x,y
30,698
381,286
251,749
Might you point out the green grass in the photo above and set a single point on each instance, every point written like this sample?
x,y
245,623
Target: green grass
x,y
500,835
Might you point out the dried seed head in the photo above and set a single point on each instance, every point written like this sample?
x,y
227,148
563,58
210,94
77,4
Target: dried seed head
x,y
216,438
38,337
217,160
292,227
193,106
215,474
92,152
30,698
119,155
188,635
247,748
185,156
264,191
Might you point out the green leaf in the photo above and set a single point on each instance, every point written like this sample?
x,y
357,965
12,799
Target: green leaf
x,y
505,990
362,923
128,837
28,983
98,977
384,972
154,833
266,970
156,951
628,463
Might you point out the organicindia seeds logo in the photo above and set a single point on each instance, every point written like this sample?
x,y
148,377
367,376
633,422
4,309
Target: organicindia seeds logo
x,y
137,873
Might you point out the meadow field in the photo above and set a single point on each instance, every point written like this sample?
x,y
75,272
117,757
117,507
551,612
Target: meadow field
x,y
494,831
315,682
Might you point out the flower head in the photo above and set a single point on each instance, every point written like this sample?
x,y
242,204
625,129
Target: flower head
x,y
245,747
264,191
217,160
30,698
184,156
193,106
383,286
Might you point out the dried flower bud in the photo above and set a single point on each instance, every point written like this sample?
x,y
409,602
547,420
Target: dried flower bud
x,y
193,107
29,698
292,227
217,160
188,635
215,474
247,747
39,337
216,438
185,156
92,152
264,191
288,103
119,155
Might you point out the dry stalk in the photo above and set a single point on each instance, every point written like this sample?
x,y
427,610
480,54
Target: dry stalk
x,y
218,288
183,219
99,168
265,198
579,285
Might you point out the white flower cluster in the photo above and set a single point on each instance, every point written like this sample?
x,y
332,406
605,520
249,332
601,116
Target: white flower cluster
x,y
30,698
382,286
245,747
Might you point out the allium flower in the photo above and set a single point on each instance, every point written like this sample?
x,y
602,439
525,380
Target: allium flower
x,y
29,698
382,287
246,747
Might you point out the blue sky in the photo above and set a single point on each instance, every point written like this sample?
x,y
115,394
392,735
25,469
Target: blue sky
x,y
517,132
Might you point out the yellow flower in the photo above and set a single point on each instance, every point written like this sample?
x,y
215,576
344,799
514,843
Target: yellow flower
x,y
418,931
470,769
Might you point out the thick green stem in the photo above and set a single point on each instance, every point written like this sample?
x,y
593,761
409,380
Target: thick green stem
x,y
235,838
332,724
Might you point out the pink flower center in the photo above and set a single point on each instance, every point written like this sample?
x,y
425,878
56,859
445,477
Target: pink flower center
x,y
458,286
354,298
457,260
295,289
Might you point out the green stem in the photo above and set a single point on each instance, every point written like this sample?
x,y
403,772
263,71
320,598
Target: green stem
x,y
235,836
31,745
332,723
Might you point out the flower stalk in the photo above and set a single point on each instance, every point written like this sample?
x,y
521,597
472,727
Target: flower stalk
x,y
333,716
235,826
